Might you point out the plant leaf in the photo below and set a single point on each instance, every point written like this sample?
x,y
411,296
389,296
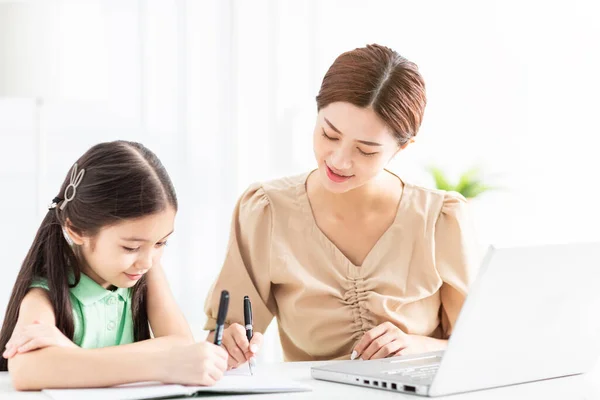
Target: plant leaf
x,y
468,179
476,190
440,179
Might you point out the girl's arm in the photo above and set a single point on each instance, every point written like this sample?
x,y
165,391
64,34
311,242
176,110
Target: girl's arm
x,y
67,367
165,316
168,323
72,366
149,360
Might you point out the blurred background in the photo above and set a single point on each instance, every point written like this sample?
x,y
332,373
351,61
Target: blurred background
x,y
224,92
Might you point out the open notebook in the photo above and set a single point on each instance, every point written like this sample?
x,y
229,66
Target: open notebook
x,y
234,384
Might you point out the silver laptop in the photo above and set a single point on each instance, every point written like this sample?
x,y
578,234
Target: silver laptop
x,y
531,314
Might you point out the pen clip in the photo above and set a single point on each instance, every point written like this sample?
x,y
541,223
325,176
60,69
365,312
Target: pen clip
x,y
247,312
221,315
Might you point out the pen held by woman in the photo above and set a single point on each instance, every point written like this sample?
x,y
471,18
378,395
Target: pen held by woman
x,y
240,349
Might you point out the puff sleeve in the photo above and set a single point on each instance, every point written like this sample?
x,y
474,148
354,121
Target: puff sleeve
x,y
456,257
246,269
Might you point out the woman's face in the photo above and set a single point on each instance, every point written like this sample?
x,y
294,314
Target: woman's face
x,y
352,145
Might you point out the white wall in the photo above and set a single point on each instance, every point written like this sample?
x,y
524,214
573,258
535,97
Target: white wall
x,y
224,93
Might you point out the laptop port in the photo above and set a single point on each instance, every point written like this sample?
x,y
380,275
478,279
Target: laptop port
x,y
410,389
384,385
366,382
394,387
375,383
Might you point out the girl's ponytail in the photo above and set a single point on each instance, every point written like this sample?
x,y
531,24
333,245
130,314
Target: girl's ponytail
x,y
49,257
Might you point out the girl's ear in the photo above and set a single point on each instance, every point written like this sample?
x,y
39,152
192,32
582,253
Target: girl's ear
x,y
70,235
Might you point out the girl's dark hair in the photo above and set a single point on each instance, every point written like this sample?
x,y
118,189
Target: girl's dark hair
x,y
376,76
123,180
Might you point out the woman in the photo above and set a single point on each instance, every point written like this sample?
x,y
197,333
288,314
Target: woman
x,y
352,261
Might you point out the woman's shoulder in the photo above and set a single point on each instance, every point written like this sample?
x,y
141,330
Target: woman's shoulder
x,y
286,185
428,200
279,193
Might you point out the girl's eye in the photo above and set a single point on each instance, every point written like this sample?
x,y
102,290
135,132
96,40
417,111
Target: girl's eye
x,y
365,153
162,244
326,136
130,249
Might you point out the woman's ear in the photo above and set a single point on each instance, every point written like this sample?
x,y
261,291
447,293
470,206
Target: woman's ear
x,y
402,147
411,140
71,236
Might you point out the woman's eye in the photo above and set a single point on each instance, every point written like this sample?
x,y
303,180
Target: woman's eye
x,y
131,249
162,244
326,136
364,153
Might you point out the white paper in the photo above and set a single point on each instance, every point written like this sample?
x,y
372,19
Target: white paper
x,y
252,384
228,384
133,392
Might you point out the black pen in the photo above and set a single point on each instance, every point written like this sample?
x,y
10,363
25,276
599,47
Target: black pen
x,y
222,314
248,323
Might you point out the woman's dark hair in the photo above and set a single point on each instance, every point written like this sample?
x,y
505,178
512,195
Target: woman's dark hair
x,y
376,76
122,181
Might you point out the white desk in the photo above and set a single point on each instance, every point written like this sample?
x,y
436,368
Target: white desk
x,y
577,387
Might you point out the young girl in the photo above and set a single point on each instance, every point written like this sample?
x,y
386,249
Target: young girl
x,y
92,284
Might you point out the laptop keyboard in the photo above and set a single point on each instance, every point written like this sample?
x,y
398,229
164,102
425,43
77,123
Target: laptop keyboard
x,y
425,373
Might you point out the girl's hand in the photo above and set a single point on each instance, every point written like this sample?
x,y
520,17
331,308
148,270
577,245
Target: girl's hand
x,y
387,340
237,345
196,364
35,336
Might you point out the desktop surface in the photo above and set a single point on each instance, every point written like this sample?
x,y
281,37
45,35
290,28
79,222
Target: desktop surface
x,y
576,387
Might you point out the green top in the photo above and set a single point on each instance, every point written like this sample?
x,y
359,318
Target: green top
x,y
101,317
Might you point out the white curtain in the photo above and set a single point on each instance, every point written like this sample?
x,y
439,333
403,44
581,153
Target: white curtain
x,y
223,92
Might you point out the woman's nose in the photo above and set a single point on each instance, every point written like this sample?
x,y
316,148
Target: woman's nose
x,y
341,160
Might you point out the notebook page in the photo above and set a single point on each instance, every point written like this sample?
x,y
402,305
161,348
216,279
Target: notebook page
x,y
126,392
228,384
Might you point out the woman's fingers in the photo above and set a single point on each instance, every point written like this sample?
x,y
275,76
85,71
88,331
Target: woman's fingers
x,y
377,344
369,337
235,341
389,349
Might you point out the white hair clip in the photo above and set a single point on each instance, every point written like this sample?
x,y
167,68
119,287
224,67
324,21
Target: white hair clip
x,y
76,178
67,237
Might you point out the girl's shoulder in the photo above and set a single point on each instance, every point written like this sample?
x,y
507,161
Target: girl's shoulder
x,y
39,282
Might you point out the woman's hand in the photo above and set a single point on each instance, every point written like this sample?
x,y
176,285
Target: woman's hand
x,y
237,345
35,336
387,340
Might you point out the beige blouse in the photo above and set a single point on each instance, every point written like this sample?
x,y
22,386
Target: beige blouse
x,y
416,276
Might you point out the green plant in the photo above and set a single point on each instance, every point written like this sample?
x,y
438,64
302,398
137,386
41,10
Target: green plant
x,y
469,184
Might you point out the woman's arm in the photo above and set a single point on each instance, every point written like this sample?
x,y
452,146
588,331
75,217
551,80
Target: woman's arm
x,y
246,271
387,340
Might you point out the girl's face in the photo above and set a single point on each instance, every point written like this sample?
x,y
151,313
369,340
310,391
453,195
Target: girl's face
x,y
121,254
352,145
